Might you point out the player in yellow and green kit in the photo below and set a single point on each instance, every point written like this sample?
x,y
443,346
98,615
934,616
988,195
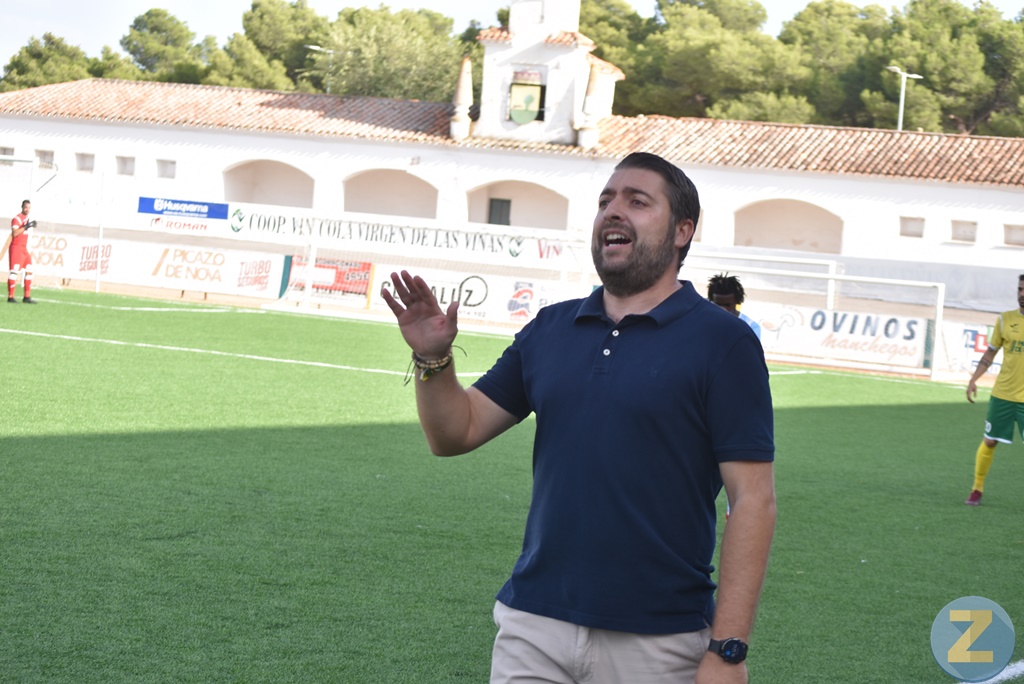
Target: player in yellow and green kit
x,y
1006,406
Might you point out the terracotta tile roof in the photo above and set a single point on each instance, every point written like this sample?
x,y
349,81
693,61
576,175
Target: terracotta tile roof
x,y
688,142
570,39
495,34
192,106
501,34
821,149
605,67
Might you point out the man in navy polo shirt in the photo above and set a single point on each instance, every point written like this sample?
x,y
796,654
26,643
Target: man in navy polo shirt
x,y
648,399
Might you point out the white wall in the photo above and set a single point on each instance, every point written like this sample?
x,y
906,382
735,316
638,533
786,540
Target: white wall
x,y
268,182
533,205
789,224
869,208
390,192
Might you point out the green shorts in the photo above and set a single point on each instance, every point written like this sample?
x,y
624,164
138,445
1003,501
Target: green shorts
x,y
1002,415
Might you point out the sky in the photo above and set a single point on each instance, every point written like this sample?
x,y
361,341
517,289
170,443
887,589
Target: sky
x,y
91,25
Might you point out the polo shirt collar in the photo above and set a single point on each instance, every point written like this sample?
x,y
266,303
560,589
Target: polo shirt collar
x,y
674,306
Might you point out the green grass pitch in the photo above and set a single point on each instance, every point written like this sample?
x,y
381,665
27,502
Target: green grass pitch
x,y
207,494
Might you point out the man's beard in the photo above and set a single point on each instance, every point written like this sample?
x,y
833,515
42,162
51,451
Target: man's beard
x,y
645,267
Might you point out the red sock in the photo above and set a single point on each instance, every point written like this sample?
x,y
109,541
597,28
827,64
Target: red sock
x,y
11,282
28,285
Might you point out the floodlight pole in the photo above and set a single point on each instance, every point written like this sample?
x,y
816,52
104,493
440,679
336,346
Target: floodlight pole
x,y
330,63
903,90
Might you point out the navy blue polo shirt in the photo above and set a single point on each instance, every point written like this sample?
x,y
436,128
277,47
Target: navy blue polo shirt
x,y
632,421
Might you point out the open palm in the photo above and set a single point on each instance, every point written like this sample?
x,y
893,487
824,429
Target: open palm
x,y
428,330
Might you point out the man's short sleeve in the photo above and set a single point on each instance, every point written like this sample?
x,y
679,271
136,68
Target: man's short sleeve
x,y
503,383
996,341
739,405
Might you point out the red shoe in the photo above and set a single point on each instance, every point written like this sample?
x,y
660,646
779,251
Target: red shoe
x,y
974,499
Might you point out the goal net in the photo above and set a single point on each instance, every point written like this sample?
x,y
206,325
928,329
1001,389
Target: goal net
x,y
22,179
321,277
810,312
15,183
502,288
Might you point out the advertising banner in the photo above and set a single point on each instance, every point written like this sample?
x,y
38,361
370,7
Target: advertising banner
x,y
219,271
65,256
869,338
484,298
331,276
389,236
187,208
489,246
182,217
965,345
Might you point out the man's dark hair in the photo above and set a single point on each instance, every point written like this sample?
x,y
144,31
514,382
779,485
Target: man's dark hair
x,y
682,193
725,284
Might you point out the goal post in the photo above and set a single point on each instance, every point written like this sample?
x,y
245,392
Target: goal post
x,y
316,277
809,311
329,277
16,183
839,320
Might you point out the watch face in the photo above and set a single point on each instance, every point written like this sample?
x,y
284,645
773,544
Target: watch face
x,y
733,651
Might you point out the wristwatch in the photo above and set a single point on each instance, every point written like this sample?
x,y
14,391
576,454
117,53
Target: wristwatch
x,y
732,650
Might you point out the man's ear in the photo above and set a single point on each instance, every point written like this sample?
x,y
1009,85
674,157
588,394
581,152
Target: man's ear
x,y
684,232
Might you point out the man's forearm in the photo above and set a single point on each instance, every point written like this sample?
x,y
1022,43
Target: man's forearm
x,y
983,364
744,560
444,410
456,419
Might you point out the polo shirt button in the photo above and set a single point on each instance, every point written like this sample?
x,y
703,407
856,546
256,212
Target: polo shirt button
x,y
607,352
615,333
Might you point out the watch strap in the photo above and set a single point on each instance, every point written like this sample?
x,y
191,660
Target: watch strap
x,y
731,650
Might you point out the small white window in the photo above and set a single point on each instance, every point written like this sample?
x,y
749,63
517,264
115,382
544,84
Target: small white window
x,y
166,168
126,166
911,226
6,152
85,162
44,157
965,231
1013,235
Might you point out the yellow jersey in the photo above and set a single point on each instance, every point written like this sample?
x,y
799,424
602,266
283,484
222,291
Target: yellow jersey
x,y
1008,335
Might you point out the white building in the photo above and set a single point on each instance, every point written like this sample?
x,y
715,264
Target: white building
x,y
911,205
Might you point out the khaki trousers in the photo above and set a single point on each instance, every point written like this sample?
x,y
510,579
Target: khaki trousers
x,y
531,649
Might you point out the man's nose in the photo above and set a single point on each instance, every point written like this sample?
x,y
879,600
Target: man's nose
x,y
613,210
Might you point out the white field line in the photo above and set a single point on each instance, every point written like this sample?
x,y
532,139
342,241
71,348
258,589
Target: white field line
x,y
467,330
1012,672
877,378
163,309
902,381
321,364
212,352
228,309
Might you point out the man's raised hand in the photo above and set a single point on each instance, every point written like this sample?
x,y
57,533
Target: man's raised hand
x,y
428,330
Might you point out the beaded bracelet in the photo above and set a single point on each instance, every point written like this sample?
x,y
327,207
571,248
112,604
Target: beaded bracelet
x,y
428,368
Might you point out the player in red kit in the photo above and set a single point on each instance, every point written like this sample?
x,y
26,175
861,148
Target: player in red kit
x,y
20,259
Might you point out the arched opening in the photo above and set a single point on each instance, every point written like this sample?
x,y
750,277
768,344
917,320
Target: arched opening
x,y
387,191
790,225
268,182
517,203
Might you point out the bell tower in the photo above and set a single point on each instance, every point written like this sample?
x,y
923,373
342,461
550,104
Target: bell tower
x,y
540,82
